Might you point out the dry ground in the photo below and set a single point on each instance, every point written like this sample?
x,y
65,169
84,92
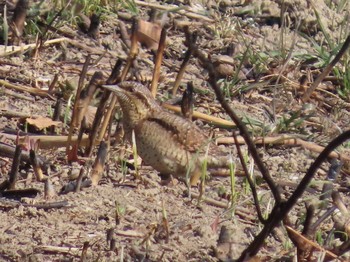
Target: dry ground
x,y
270,58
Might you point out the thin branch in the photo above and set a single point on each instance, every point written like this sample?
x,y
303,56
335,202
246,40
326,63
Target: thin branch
x,y
75,106
242,128
281,210
185,62
250,181
158,62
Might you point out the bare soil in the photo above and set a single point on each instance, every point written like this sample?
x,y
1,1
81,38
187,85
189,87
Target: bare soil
x,y
149,221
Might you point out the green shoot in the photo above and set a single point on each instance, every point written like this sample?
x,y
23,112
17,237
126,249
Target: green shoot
x,y
119,212
26,127
268,209
165,220
326,35
287,244
246,185
189,170
66,112
204,175
123,168
134,152
344,76
233,183
192,165
50,112
319,238
291,122
129,5
122,254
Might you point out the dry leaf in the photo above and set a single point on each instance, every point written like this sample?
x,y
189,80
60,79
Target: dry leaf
x,y
42,122
149,34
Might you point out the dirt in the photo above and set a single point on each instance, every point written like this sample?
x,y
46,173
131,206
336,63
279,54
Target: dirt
x,y
149,221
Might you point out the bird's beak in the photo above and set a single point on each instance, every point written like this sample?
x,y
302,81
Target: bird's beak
x,y
114,88
119,92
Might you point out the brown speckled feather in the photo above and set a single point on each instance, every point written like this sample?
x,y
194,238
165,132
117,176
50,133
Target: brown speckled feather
x,y
169,143
187,134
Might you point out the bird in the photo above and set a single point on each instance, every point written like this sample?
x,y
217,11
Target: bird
x,y
169,143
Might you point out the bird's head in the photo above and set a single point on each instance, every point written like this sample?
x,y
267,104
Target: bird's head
x,y
136,101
